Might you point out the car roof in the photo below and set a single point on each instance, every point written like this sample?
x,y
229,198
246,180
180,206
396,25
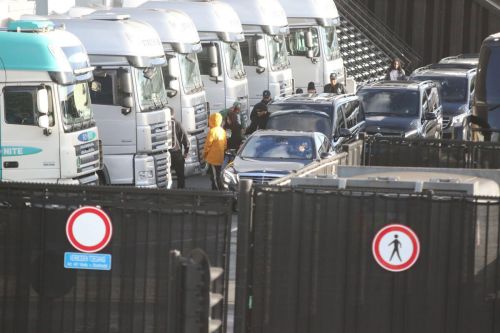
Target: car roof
x,y
395,85
286,133
301,111
321,98
447,70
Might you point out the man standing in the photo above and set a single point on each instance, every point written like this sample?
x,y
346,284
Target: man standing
x,y
215,146
260,120
334,87
266,99
177,155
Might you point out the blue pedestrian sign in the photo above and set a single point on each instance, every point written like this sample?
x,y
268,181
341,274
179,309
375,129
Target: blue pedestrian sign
x,y
92,261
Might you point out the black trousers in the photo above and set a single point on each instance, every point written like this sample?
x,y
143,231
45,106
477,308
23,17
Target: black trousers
x,y
215,176
178,162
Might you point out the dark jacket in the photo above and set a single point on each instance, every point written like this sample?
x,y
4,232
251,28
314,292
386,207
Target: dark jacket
x,y
253,114
181,139
258,124
233,141
338,89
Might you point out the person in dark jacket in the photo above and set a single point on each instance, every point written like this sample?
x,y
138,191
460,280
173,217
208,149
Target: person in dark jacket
x,y
260,121
233,131
177,155
266,99
334,87
395,72
311,89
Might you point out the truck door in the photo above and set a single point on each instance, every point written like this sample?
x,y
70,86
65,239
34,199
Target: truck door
x,y
28,151
214,86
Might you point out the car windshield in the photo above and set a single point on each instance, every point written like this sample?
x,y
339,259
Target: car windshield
x,y
326,108
151,89
331,43
279,147
394,102
234,63
75,106
190,73
278,56
307,122
453,89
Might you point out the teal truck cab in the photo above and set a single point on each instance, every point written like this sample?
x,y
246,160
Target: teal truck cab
x,y
47,130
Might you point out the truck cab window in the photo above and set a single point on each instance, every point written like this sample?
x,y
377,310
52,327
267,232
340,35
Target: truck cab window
x,y
297,42
20,106
101,89
204,59
248,52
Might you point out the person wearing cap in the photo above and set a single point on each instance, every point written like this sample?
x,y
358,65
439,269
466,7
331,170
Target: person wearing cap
x,y
266,99
311,89
334,87
236,109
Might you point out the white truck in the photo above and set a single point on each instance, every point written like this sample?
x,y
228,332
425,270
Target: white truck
x,y
48,133
221,66
128,98
264,52
185,90
313,47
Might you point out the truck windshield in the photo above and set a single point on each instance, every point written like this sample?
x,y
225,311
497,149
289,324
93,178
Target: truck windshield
x,y
75,107
233,61
395,102
190,73
150,88
278,56
331,43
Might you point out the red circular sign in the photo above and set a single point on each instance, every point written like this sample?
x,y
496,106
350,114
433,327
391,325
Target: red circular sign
x,y
396,248
89,229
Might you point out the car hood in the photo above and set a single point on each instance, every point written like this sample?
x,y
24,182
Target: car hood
x,y
243,165
377,124
452,109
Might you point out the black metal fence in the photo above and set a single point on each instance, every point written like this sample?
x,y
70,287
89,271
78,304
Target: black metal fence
x,y
37,294
383,151
307,264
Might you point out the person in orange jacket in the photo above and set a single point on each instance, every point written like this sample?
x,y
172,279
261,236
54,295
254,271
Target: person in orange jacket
x,y
215,146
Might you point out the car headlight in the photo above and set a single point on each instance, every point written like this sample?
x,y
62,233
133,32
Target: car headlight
x,y
229,177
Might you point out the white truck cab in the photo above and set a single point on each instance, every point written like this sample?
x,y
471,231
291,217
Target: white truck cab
x,y
313,47
264,50
47,130
220,60
128,98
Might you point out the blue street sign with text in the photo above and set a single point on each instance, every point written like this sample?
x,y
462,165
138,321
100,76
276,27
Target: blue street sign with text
x,y
93,261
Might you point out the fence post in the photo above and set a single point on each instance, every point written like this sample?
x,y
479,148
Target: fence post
x,y
242,255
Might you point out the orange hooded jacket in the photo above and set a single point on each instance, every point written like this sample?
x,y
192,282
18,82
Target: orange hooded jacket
x,y
216,143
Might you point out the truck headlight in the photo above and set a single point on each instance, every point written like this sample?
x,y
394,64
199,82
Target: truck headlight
x,y
145,175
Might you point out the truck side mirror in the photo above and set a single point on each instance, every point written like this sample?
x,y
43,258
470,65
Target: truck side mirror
x,y
310,53
214,60
261,65
127,102
43,121
125,79
260,48
42,101
309,39
173,88
173,68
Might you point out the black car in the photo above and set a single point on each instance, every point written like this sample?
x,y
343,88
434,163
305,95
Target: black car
x,y
469,59
402,109
457,88
269,154
346,116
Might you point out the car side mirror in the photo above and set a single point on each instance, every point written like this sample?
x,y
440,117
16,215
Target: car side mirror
x,y
430,116
231,152
42,101
345,133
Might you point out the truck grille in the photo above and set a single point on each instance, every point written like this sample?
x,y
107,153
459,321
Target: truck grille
x,y
160,137
88,156
446,122
162,168
200,140
201,116
261,177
